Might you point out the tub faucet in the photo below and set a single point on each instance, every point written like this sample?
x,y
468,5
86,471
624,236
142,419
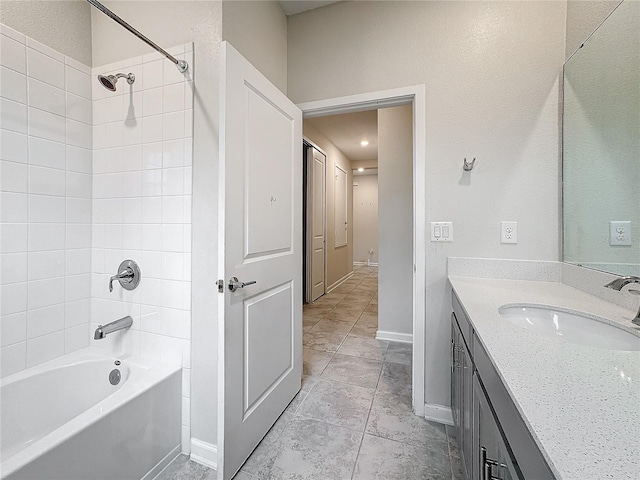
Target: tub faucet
x,y
619,283
120,324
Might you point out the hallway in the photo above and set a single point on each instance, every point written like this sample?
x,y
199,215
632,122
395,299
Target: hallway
x,y
352,419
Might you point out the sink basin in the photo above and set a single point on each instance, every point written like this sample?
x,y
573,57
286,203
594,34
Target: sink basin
x,y
571,326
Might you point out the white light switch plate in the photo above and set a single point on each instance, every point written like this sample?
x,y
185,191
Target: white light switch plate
x,y
620,233
442,231
509,232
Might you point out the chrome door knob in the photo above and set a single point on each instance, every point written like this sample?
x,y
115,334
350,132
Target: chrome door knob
x,y
235,284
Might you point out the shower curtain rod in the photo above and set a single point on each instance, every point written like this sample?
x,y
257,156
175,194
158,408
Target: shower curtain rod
x,y
182,65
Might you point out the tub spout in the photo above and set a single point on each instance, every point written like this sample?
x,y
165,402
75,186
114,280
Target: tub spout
x,y
120,324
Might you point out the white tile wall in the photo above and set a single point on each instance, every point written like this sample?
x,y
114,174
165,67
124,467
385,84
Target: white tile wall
x,y
45,165
141,187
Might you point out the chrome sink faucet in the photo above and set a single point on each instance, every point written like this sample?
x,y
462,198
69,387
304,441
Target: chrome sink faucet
x,y
618,285
120,324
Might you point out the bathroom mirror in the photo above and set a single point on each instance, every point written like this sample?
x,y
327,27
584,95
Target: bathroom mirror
x,y
601,147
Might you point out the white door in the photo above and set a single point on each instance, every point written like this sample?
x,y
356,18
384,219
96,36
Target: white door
x,y
260,345
340,206
316,221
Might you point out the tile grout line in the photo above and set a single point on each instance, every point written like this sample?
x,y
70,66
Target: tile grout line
x,y
366,423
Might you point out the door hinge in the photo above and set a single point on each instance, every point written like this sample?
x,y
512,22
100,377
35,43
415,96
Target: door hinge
x,y
220,284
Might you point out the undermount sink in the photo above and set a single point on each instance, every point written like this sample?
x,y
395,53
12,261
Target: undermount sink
x,y
571,326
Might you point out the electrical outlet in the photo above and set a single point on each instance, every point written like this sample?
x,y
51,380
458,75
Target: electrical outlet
x,y
509,232
620,233
442,231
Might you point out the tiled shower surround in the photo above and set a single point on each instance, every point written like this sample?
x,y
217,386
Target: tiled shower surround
x,y
142,157
91,178
46,202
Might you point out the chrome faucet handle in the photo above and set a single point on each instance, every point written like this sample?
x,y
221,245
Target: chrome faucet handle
x,y
128,275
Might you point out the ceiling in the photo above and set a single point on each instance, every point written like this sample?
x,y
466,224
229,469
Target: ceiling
x,y
291,7
347,130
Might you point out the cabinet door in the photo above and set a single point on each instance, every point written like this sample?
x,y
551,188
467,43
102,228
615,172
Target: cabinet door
x,y
491,457
455,371
466,408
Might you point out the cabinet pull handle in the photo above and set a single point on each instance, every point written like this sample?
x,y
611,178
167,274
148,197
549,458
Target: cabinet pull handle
x,y
487,464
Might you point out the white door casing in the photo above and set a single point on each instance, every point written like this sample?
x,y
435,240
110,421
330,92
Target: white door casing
x,y
260,211
416,95
316,222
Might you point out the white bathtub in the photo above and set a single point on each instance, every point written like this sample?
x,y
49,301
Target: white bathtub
x,y
65,420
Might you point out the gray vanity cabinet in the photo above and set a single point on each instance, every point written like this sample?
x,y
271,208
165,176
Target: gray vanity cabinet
x,y
494,440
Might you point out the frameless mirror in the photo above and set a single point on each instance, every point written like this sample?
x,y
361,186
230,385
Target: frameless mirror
x,y
601,147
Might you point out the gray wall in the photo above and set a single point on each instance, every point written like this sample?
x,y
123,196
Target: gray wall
x,y
339,259
491,74
583,18
258,30
64,26
395,190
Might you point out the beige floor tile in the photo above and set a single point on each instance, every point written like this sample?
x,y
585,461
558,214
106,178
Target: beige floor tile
x,y
364,347
323,341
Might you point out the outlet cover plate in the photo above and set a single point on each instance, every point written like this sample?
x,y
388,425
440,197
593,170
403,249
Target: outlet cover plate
x,y
508,232
620,233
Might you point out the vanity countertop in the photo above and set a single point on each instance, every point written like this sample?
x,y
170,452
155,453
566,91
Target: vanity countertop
x,y
581,404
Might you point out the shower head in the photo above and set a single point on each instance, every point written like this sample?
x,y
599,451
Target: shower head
x,y
109,81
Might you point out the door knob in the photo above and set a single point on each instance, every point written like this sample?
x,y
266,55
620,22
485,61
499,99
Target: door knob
x,y
235,284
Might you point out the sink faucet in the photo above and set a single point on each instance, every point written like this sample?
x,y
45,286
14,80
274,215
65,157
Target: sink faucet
x,y
618,284
120,324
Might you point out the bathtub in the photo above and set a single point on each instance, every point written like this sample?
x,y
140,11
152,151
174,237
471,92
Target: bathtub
x,y
65,419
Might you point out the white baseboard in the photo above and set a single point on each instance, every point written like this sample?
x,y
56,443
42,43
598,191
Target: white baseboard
x,y
339,282
365,264
204,453
438,413
394,336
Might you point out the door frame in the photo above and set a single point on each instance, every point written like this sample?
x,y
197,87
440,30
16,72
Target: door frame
x,y
309,143
414,95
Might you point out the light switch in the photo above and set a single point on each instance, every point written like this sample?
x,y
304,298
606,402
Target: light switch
x,y
442,231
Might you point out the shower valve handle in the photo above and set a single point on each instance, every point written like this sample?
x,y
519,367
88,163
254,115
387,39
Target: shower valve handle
x,y
128,275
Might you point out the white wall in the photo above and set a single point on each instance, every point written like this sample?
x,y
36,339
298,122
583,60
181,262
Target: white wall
x,y
258,30
491,75
64,25
365,218
45,174
395,170
339,259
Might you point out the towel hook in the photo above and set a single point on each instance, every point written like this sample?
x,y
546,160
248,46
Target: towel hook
x,y
469,166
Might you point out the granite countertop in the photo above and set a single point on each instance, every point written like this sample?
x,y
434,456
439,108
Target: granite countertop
x,y
581,404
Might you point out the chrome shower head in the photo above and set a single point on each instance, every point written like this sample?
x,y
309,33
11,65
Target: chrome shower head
x,y
109,81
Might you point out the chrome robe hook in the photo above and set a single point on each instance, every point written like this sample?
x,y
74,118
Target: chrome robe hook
x,y
469,166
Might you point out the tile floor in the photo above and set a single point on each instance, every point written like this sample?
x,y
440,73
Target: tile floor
x,y
352,418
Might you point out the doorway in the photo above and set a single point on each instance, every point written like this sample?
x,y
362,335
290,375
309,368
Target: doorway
x,y
414,96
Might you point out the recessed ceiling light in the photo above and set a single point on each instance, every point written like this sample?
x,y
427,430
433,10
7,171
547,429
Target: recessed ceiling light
x,y
364,143
361,169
